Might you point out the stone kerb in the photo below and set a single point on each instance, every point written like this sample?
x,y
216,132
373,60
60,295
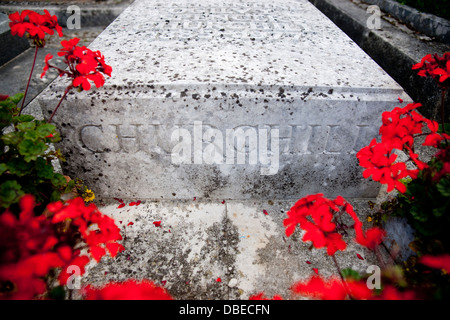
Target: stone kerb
x,y
225,100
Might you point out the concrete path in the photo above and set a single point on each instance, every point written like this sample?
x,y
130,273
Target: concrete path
x,y
205,250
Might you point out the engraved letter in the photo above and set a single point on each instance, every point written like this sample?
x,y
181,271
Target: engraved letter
x,y
90,137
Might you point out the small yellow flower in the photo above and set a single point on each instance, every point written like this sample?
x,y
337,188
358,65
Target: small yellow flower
x,y
88,195
369,219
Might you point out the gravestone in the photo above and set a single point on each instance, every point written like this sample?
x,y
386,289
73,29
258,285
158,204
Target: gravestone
x,y
224,100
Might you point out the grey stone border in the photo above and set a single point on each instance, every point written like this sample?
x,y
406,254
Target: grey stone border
x,y
91,15
392,48
10,46
426,23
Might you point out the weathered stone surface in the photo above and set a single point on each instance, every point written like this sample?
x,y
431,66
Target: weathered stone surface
x,y
199,242
298,94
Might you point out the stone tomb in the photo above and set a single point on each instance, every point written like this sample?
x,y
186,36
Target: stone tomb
x,y
224,100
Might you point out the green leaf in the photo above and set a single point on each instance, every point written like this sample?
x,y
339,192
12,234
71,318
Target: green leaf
x,y
19,167
350,273
3,168
56,196
23,118
12,138
16,98
438,212
447,128
44,170
10,192
70,186
444,187
26,126
58,293
5,118
45,130
31,135
31,150
58,180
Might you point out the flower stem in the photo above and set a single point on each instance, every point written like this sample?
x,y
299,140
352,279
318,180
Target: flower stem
x,y
338,268
59,103
342,277
380,258
29,79
443,92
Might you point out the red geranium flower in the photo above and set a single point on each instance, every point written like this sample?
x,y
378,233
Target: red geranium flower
x,y
129,290
103,238
371,238
379,162
262,296
437,262
35,24
435,67
400,125
84,65
315,215
332,289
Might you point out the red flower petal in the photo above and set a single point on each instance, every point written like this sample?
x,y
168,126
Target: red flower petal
x,y
128,290
157,223
265,212
219,280
316,271
437,262
121,205
97,252
114,248
359,256
130,224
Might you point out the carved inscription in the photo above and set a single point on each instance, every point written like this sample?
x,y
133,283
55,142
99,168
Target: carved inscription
x,y
292,139
253,21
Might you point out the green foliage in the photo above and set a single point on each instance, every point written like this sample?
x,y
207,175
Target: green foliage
x,y
439,8
26,158
350,273
426,202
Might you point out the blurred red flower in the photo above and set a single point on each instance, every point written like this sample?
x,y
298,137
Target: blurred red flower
x,y
35,24
128,290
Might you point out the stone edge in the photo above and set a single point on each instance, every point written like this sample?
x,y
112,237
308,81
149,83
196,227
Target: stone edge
x,y
91,15
392,58
426,23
